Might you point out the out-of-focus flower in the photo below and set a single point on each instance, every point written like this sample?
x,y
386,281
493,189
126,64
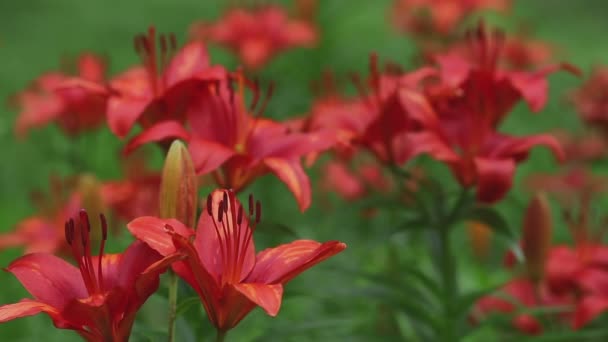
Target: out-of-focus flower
x,y
583,147
98,299
222,266
354,182
438,18
237,145
43,232
48,99
136,194
472,99
591,99
163,87
259,33
520,52
480,236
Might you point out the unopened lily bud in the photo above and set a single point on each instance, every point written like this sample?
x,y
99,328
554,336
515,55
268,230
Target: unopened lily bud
x,y
178,190
479,235
89,189
536,236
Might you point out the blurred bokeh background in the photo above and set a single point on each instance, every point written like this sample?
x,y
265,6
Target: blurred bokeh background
x,y
324,303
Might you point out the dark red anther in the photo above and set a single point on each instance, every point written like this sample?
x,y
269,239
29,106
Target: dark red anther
x,y
256,94
220,211
84,219
69,233
169,228
104,227
209,205
172,41
239,217
250,204
225,201
258,212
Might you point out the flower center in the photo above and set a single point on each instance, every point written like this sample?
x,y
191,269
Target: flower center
x,y
78,237
233,232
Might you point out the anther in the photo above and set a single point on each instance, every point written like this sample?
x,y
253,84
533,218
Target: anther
x,y
250,204
104,227
209,205
84,219
68,234
258,212
220,211
239,217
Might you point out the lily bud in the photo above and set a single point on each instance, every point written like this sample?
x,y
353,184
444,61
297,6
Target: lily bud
x,y
178,189
536,237
479,235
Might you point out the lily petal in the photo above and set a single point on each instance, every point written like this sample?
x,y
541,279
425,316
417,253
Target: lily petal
x,y
25,308
190,60
50,279
281,264
588,309
268,297
291,173
153,232
208,155
161,131
494,178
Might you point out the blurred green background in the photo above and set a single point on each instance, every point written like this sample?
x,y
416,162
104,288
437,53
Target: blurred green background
x,y
322,303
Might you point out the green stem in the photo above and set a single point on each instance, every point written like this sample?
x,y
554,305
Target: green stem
x,y
447,268
172,304
221,336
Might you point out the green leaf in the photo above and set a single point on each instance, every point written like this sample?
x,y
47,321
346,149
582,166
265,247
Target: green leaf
x,y
186,304
493,219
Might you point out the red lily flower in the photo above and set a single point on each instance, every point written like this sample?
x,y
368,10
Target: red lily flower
x,y
73,109
222,266
354,183
591,99
137,194
473,99
257,34
44,233
236,146
438,17
98,299
163,87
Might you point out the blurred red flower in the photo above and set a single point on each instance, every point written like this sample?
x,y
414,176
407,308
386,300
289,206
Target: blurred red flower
x,y
163,87
237,146
428,18
591,99
473,98
259,33
222,266
73,109
98,299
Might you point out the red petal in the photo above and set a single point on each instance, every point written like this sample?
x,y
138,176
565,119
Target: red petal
x,y
208,155
25,308
152,231
209,246
135,260
291,173
161,131
588,309
454,70
190,60
133,96
123,112
494,178
51,280
265,142
268,297
284,262
429,143
517,147
533,86
418,107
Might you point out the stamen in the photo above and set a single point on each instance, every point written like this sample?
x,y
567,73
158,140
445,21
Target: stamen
x,y
239,218
209,205
250,204
269,93
258,212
